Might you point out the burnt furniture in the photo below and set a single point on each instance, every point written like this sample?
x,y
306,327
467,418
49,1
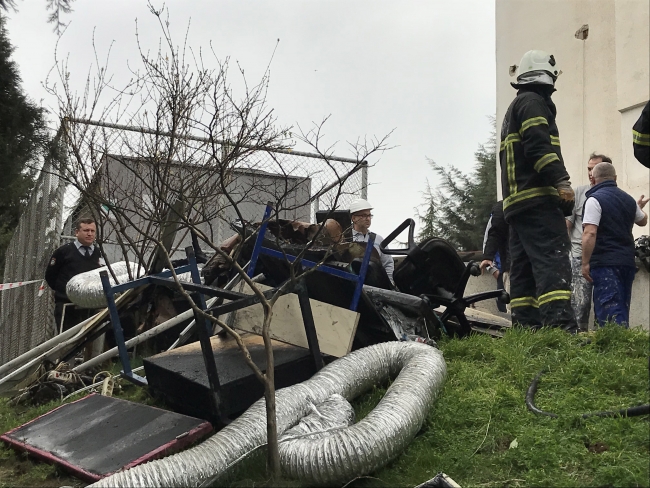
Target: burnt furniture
x,y
434,271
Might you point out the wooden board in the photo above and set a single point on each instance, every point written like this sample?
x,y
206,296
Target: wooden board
x,y
335,326
483,319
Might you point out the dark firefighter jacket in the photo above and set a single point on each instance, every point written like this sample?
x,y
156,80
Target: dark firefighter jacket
x,y
530,156
497,238
641,137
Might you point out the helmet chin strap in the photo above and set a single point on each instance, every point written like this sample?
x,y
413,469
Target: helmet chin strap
x,y
534,77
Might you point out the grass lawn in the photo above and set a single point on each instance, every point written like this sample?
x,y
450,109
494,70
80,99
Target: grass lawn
x,y
479,431
481,434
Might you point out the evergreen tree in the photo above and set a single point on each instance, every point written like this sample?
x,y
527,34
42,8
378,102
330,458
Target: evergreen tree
x,y
459,208
22,140
56,8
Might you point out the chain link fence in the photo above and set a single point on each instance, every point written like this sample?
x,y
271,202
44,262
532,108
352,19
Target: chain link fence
x,y
27,319
121,164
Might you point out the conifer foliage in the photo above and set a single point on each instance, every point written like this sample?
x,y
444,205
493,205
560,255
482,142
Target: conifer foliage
x,y
459,207
22,140
56,9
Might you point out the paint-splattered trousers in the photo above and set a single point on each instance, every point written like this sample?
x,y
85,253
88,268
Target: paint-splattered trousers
x,y
612,293
581,291
540,270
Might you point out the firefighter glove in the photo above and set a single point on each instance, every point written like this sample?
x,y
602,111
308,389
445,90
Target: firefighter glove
x,y
567,197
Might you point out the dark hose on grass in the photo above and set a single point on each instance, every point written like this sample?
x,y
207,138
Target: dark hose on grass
x,y
623,412
530,397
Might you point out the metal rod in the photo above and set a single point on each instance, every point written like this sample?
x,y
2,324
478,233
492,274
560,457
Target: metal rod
x,y
117,331
187,331
197,287
310,327
196,278
310,264
54,352
241,303
204,338
144,130
44,347
159,329
260,239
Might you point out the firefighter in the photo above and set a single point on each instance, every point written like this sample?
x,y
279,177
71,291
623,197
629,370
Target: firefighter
x,y
537,195
641,137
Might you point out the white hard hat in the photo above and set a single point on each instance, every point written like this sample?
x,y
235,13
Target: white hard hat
x,y
538,61
359,205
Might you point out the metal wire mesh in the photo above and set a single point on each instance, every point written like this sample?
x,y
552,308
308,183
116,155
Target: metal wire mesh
x,y
26,319
140,169
302,182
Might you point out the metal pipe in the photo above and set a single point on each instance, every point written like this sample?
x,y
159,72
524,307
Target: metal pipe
x,y
145,130
159,329
45,346
332,458
56,351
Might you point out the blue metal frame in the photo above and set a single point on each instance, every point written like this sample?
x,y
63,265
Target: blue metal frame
x,y
260,238
240,299
110,292
359,279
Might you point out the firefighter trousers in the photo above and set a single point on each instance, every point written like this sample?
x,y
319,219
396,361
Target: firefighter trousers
x,y
540,271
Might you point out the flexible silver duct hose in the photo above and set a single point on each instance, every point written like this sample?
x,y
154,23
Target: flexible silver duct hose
x,y
335,457
85,289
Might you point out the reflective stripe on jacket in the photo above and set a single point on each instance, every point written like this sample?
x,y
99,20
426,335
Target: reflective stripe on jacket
x,y
529,153
641,137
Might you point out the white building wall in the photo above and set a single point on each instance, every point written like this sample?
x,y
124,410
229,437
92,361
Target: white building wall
x,y
605,79
605,83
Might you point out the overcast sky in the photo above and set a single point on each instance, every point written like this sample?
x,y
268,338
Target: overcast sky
x,y
424,68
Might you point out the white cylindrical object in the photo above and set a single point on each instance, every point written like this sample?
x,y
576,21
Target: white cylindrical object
x,y
85,290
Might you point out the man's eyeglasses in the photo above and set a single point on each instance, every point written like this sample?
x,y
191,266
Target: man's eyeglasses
x,y
363,216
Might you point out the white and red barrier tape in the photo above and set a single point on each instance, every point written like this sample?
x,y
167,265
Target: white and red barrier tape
x,y
17,284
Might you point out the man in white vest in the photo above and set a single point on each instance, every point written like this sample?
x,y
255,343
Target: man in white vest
x,y
361,219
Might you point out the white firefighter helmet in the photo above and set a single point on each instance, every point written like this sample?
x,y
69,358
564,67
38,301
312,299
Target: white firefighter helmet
x,y
359,205
536,60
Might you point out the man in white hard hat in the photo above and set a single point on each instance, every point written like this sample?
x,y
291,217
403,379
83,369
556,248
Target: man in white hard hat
x,y
361,218
537,195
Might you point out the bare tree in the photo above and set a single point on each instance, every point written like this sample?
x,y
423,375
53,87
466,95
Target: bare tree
x,y
184,170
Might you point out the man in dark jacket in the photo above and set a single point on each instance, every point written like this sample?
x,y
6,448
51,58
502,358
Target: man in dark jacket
x,y
641,137
496,257
608,245
537,195
67,261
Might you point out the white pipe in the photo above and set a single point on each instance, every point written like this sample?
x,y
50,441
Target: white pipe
x,y
65,335
49,354
159,329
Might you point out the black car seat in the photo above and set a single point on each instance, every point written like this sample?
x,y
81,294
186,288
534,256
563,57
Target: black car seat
x,y
433,270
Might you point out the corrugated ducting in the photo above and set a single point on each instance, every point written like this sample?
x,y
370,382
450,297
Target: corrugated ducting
x,y
85,289
335,456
